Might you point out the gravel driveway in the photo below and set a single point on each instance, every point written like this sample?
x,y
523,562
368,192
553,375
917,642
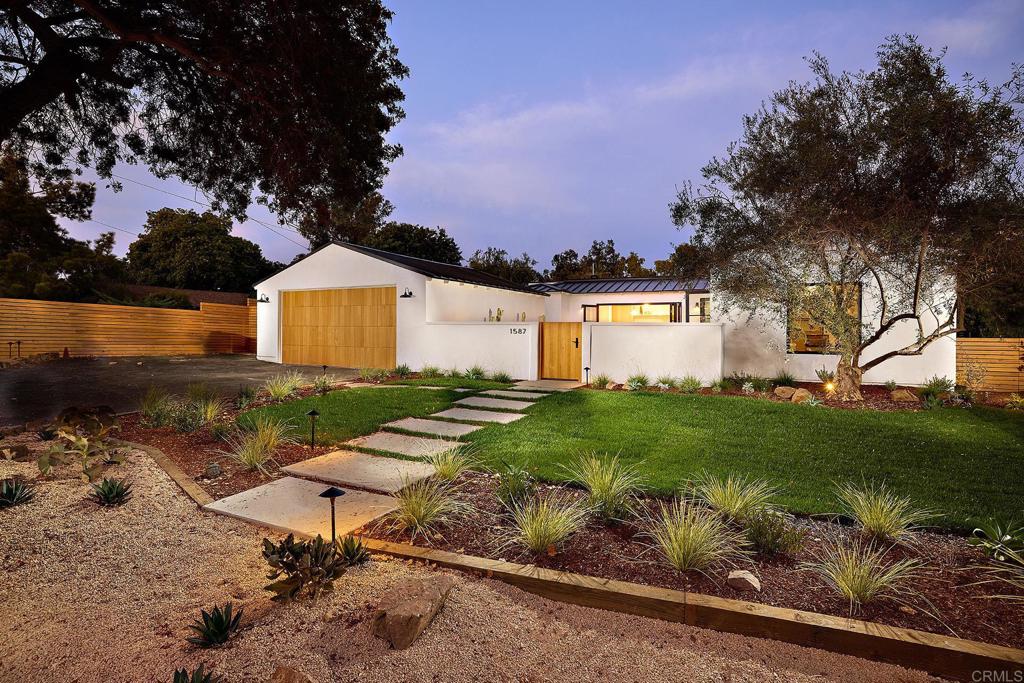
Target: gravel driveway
x,y
42,391
92,594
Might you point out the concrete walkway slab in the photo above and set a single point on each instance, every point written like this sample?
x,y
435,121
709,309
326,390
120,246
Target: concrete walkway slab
x,y
485,402
478,415
548,384
518,395
361,470
293,505
449,430
403,444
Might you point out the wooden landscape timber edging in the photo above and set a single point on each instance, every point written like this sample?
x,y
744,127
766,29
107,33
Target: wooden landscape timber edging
x,y
1002,359
187,484
109,330
938,655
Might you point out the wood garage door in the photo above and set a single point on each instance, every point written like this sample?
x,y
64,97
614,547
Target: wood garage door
x,y
352,328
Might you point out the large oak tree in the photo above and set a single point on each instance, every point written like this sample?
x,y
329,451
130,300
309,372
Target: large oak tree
x,y
897,179
290,99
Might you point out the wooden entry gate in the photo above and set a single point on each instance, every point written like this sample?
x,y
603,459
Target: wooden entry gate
x,y
561,350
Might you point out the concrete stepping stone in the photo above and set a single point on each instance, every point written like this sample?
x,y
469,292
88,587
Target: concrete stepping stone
x,y
403,444
450,430
361,470
293,505
518,395
486,402
548,384
478,415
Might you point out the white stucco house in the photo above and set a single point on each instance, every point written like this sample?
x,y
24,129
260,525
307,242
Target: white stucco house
x,y
352,306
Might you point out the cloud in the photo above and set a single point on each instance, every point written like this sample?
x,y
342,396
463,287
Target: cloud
x,y
980,30
487,126
706,77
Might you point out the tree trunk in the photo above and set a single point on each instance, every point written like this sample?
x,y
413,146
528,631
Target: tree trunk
x,y
848,381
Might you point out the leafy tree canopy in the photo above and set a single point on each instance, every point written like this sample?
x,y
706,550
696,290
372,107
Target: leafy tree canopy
x,y
290,99
522,269
686,261
602,261
896,178
434,244
185,249
346,221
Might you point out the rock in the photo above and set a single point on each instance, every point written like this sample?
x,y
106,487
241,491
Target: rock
x,y
903,396
212,469
408,608
800,396
742,580
286,674
785,393
614,386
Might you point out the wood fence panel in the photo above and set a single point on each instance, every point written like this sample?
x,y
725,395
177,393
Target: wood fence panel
x,y
1002,359
106,330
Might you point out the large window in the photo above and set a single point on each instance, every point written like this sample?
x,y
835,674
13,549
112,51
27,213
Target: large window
x,y
632,313
808,335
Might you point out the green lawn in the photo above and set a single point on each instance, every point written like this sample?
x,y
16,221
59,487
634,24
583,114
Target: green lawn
x,y
349,413
964,464
459,382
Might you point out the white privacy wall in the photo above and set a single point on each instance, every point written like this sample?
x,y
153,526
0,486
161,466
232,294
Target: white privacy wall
x,y
460,302
677,349
509,347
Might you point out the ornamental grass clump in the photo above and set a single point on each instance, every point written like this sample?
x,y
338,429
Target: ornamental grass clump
x,y
450,463
431,371
282,386
542,524
423,506
612,487
156,407
862,574
515,486
735,497
476,372
881,514
324,383
502,376
254,444
637,382
600,381
666,382
689,384
692,537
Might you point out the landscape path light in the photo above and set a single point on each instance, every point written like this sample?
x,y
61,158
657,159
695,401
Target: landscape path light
x,y
330,494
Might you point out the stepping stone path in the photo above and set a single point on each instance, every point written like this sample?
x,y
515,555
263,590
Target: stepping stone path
x,y
403,444
548,385
518,395
361,470
293,505
486,402
478,415
451,430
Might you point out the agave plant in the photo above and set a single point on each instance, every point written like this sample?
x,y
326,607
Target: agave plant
x,y
111,492
353,550
15,492
199,675
215,626
310,566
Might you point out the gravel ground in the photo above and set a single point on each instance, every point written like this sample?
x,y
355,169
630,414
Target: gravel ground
x,y
91,594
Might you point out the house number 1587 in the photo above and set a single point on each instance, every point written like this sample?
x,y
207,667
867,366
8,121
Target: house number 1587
x,y
517,330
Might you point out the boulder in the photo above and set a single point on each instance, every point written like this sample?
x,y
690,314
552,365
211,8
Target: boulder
x,y
785,393
286,674
903,396
742,580
408,608
800,396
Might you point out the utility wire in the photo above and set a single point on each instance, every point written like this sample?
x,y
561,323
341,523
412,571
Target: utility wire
x,y
112,227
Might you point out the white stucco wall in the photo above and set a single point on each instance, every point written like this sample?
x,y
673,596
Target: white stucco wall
x,y
511,347
622,349
460,302
569,307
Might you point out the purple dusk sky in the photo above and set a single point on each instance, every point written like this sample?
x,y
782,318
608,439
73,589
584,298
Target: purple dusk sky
x,y
542,126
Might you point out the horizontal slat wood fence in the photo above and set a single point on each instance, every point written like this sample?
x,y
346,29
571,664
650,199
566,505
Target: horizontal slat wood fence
x,y
104,330
1002,360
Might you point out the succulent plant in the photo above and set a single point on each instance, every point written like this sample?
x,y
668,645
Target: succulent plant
x,y
215,627
305,565
112,492
353,550
199,675
15,492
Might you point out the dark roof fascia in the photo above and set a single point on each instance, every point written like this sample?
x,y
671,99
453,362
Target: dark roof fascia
x,y
617,286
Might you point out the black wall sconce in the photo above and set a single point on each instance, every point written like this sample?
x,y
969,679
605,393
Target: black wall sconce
x,y
264,299
407,294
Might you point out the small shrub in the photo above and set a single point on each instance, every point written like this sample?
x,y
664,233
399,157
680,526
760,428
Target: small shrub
x,y
932,402
1014,402
372,374
611,486
156,407
475,372
690,384
720,385
784,379
353,550
825,376
770,532
541,525
111,492
402,371
215,626
82,436
282,386
424,505
891,385
637,382
691,537
185,417
220,431
449,464
761,384
306,566
453,373
15,492
431,371
881,514
936,388
324,383
245,397
199,675
666,382
502,376
999,541
735,497
600,381
861,574
515,486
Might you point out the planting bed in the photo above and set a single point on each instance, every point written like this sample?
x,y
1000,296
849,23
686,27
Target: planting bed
x,y
961,606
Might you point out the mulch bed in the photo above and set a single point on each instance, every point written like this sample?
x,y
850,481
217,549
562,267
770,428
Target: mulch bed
x,y
949,586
